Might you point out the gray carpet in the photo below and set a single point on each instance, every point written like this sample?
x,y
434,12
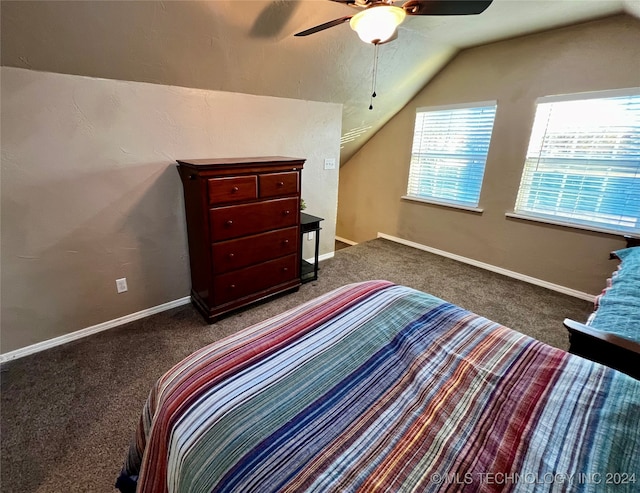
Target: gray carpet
x,y
68,413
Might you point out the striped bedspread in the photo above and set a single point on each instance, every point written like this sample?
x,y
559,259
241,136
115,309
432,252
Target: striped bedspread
x,y
379,387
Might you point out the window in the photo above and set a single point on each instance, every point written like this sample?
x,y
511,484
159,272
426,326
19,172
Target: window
x,y
583,163
450,146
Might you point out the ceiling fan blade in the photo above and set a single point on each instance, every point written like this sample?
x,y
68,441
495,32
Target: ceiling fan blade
x,y
326,25
357,4
446,7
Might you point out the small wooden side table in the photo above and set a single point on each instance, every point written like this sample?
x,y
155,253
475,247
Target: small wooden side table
x,y
308,224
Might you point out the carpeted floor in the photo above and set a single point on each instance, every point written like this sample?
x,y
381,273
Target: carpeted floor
x,y
68,413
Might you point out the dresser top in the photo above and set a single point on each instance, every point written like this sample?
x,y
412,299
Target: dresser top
x,y
241,161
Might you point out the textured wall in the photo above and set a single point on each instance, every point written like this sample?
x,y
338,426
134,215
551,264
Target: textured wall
x,y
593,56
90,192
225,45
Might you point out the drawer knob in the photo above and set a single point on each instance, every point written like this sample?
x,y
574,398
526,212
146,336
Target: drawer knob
x,y
285,242
285,269
234,190
280,184
232,286
229,222
286,213
231,255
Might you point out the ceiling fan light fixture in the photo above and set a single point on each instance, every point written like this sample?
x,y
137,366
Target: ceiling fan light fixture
x,y
377,24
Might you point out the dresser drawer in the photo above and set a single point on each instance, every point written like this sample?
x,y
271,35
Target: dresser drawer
x,y
243,282
234,189
279,184
235,254
241,220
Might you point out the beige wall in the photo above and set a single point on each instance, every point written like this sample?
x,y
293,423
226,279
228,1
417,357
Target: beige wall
x,y
598,55
244,46
90,192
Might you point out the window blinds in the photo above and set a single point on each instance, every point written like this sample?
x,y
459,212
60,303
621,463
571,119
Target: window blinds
x,y
449,152
583,163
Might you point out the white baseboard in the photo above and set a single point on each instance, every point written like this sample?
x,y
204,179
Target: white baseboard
x,y
78,334
516,275
322,257
94,329
344,240
326,256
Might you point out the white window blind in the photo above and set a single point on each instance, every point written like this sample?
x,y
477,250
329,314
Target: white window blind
x,y
449,153
583,163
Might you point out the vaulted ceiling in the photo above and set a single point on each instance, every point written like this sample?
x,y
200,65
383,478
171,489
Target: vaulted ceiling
x,y
248,47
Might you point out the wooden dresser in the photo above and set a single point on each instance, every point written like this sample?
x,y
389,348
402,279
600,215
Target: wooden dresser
x,y
243,225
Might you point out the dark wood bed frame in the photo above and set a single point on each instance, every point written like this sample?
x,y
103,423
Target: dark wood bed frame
x,y
615,352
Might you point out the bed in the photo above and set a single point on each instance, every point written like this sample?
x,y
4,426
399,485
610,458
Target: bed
x,y
379,387
611,335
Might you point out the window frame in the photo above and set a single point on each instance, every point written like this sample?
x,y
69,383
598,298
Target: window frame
x,y
441,201
561,220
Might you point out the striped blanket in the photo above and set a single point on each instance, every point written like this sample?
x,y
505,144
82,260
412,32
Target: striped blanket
x,y
379,387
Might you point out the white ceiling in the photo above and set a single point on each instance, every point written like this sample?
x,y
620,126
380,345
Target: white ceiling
x,y
248,46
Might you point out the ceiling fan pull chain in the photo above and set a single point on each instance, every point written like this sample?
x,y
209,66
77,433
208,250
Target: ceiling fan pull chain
x,y
374,75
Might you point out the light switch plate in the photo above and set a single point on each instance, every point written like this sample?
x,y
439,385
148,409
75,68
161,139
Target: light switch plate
x,y
330,163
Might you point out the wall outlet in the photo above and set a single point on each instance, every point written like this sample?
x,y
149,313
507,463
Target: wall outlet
x,y
121,285
310,236
330,163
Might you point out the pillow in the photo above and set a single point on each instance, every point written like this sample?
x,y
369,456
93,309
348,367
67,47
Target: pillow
x,y
618,307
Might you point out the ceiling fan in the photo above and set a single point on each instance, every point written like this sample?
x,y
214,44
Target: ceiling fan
x,y
378,22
